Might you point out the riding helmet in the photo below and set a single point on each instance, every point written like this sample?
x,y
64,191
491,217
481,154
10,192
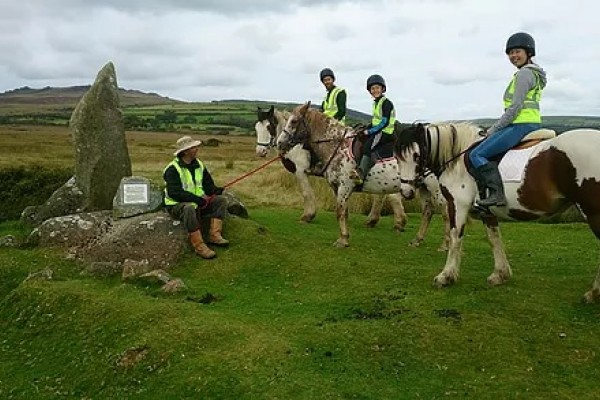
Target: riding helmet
x,y
375,80
326,72
521,40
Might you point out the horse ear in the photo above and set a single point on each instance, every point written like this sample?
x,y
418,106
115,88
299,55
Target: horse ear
x,y
305,107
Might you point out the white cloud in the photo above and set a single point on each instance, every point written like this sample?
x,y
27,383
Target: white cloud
x,y
442,59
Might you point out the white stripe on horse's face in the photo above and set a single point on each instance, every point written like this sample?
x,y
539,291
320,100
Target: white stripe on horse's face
x,y
263,138
408,163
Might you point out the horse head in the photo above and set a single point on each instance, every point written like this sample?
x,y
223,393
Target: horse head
x,y
410,148
266,130
296,129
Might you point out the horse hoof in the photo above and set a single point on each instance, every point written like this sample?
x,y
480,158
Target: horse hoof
x,y
398,229
307,218
371,223
591,296
415,243
340,244
442,281
443,248
495,280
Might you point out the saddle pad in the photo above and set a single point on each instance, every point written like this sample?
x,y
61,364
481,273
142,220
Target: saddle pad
x,y
540,134
513,163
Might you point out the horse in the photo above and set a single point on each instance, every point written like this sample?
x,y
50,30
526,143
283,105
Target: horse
x,y
331,141
560,171
298,161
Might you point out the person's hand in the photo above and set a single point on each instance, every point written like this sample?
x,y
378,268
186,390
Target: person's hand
x,y
206,201
365,133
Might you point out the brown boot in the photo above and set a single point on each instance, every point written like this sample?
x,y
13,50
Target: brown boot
x,y
199,247
214,237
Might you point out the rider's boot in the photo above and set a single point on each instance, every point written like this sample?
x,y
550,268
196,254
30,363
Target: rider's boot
x,y
359,174
493,181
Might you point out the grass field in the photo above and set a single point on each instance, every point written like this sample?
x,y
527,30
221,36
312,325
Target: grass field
x,y
281,314
295,318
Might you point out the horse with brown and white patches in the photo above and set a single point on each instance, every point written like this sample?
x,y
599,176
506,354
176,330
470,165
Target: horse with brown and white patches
x,y
559,172
331,142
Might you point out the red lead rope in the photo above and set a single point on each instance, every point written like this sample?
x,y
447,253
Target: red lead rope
x,y
247,174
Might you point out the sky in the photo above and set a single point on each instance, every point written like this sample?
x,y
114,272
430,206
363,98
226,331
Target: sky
x,y
441,59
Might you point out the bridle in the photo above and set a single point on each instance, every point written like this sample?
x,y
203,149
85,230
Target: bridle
x,y
272,128
302,136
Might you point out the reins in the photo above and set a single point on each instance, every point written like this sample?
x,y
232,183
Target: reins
x,y
305,136
247,174
426,149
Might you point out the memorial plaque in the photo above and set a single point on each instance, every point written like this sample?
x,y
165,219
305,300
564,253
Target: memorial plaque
x,y
135,193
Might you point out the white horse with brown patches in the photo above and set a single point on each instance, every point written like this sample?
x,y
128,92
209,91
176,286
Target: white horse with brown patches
x,y
332,142
559,172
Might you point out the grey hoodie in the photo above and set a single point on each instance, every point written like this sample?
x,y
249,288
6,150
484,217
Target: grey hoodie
x,y
525,81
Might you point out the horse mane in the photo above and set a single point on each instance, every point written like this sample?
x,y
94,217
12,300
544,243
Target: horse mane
x,y
447,140
282,116
444,141
321,124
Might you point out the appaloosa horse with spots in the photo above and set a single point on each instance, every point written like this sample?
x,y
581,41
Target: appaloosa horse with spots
x,y
559,172
298,161
332,144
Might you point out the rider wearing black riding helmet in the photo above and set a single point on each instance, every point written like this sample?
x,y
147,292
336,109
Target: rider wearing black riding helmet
x,y
521,116
334,103
382,125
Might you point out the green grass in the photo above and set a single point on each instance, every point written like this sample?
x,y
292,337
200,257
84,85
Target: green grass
x,y
296,318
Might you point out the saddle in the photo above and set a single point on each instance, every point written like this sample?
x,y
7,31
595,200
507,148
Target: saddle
x,y
381,151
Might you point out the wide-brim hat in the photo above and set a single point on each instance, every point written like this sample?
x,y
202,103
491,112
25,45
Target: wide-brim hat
x,y
184,143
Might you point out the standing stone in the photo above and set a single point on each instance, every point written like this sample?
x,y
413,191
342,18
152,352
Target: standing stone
x,y
101,154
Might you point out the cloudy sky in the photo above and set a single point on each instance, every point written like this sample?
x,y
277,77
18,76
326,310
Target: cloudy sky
x,y
442,59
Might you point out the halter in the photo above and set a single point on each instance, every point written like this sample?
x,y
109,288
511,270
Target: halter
x,y
301,136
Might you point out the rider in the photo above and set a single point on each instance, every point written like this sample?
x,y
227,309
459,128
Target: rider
x,y
381,129
334,103
521,116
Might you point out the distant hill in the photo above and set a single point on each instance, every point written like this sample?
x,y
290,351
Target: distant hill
x,y
153,112
556,122
67,97
351,114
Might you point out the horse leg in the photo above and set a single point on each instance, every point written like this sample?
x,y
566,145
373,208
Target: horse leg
x,y
458,211
426,214
502,271
399,213
446,242
593,219
375,212
310,208
593,295
341,210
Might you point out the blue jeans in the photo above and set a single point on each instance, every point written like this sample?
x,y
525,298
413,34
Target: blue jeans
x,y
499,142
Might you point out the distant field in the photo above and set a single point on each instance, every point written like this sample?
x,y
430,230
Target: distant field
x,y
142,111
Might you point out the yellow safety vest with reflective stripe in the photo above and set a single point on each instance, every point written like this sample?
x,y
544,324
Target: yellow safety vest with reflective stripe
x,y
330,107
187,181
378,116
530,113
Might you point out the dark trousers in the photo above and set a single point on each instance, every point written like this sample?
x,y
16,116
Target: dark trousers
x,y
378,139
190,214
